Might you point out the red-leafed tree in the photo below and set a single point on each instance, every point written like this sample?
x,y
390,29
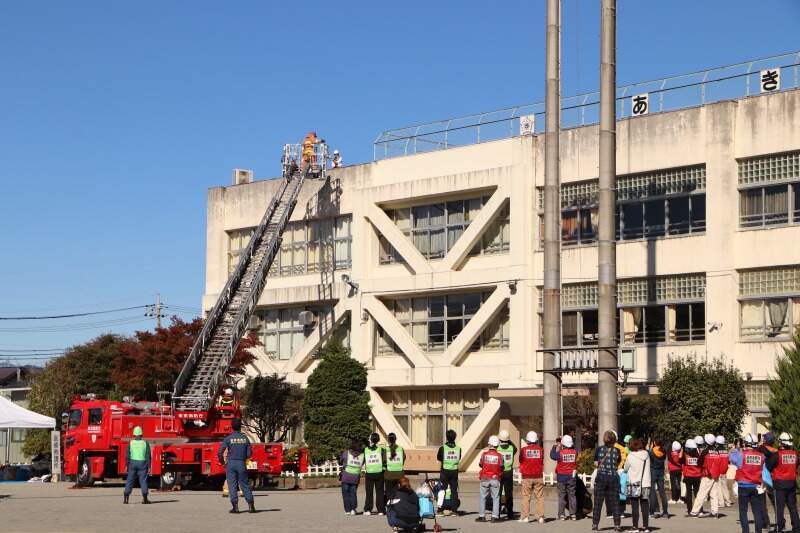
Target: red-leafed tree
x,y
151,361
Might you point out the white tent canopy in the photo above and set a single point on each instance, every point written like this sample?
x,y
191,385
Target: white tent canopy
x,y
14,416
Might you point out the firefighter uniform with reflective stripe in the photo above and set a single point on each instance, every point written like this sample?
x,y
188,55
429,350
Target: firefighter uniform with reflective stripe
x,y
784,479
238,446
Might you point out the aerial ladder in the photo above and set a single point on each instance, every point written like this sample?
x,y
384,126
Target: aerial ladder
x,y
205,370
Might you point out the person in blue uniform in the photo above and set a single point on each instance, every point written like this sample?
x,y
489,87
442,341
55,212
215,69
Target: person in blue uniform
x,y
238,446
137,462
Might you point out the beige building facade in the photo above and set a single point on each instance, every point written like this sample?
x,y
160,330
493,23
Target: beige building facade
x,y
443,257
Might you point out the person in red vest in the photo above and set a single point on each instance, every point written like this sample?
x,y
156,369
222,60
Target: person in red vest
x,y
531,466
566,468
692,470
674,466
491,464
722,471
708,483
784,481
749,464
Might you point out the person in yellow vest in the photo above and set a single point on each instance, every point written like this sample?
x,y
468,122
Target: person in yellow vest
x,y
395,461
137,462
352,461
449,455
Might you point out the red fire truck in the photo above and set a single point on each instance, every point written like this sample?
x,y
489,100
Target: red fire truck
x,y
185,434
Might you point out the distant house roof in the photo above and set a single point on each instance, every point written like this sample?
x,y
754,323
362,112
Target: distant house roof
x,y
9,375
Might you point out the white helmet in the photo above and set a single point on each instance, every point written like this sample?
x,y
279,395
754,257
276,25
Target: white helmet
x,y
503,436
566,440
676,446
616,437
336,152
750,439
494,442
720,439
691,444
699,440
710,439
785,438
531,437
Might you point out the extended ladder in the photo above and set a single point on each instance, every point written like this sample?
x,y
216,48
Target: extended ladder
x,y
212,353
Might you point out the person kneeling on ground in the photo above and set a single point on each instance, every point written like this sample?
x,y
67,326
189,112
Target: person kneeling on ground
x,y
403,510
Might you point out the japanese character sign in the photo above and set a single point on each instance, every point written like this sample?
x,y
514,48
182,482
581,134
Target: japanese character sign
x,y
640,104
770,80
527,124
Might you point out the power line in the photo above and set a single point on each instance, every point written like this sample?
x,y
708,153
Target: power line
x,y
78,326
73,315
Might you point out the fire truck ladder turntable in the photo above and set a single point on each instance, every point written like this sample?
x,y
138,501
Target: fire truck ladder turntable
x,y
206,367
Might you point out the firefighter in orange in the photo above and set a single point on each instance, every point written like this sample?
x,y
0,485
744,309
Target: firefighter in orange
x,y
309,158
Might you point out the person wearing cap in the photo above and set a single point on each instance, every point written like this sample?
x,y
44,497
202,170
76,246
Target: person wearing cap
x,y
722,470
238,447
491,464
449,457
395,466
566,468
692,471
137,463
508,451
674,466
374,464
531,467
336,160
708,481
749,463
784,480
606,484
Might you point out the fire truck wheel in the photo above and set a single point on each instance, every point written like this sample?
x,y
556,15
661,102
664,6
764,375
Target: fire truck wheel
x,y
84,477
168,480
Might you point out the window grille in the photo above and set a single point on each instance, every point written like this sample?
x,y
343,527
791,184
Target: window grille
x,y
574,194
781,280
769,168
677,288
757,395
579,296
661,182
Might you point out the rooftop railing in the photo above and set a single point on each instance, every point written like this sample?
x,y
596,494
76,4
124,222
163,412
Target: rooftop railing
x,y
667,94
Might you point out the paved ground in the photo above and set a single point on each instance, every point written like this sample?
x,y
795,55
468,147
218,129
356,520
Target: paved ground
x,y
57,508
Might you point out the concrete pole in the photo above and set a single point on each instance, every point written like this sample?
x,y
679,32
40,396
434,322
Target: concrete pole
x,y
607,253
552,231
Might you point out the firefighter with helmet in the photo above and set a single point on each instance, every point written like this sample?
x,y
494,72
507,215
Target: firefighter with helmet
x,y
137,462
749,464
226,400
309,158
784,480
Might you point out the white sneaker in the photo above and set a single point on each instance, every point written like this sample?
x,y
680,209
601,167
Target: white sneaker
x,y
367,513
524,519
352,513
541,520
380,514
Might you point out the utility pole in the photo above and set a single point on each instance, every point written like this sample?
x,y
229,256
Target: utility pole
x,y
552,231
155,310
607,249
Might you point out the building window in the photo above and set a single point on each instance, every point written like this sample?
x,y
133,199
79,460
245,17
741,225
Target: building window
x,y
435,228
665,309
281,332
757,395
435,321
651,204
769,302
769,190
426,415
307,246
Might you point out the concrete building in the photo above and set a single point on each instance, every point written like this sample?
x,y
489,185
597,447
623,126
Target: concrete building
x,y
444,251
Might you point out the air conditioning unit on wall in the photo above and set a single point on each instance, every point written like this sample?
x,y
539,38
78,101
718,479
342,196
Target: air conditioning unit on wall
x,y
242,176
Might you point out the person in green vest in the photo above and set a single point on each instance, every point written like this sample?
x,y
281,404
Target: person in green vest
x,y
137,462
395,461
508,451
352,461
449,455
374,465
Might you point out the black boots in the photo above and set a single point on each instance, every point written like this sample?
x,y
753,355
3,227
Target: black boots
x,y
252,506
125,498
144,499
234,508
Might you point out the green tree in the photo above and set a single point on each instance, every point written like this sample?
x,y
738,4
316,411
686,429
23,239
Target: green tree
x,y
701,397
36,441
271,407
639,416
336,403
784,400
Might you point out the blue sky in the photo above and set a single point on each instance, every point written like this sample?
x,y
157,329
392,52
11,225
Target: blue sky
x,y
116,117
